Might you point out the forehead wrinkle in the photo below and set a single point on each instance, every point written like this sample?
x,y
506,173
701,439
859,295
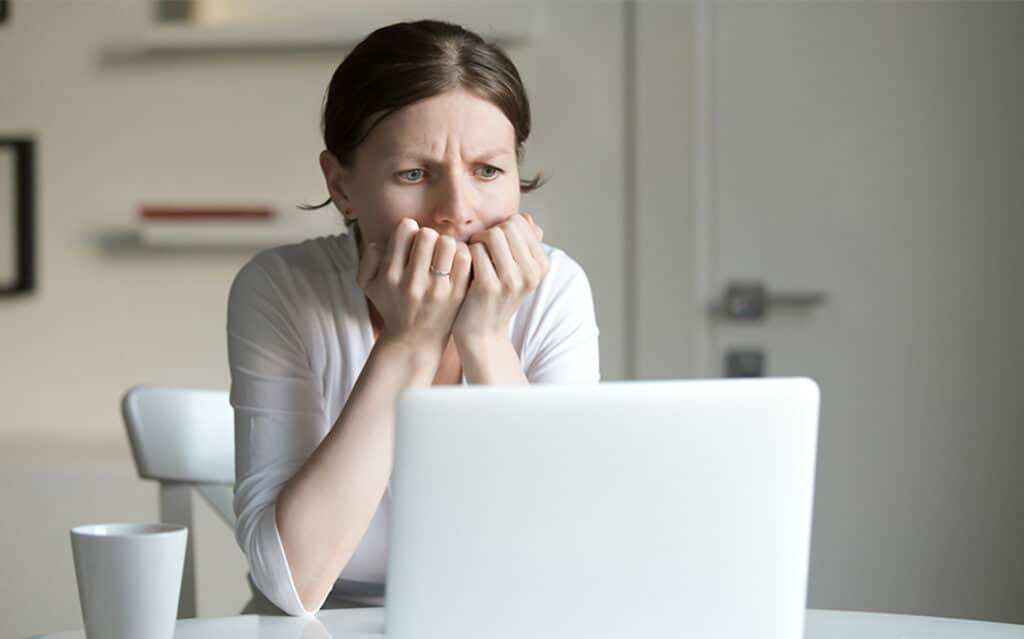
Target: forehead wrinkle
x,y
421,134
447,148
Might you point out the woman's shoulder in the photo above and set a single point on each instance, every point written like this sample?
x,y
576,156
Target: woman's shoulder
x,y
560,307
306,260
565,285
295,273
329,253
563,268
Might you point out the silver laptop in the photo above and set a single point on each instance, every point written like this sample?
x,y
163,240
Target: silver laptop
x,y
633,509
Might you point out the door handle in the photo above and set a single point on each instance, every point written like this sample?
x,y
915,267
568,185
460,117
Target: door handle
x,y
751,301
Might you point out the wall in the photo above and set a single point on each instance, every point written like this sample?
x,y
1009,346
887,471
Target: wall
x,y
668,316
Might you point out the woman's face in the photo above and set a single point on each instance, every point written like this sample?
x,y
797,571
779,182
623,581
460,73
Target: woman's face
x,y
448,162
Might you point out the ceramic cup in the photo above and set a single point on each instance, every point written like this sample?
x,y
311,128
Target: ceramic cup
x,y
129,578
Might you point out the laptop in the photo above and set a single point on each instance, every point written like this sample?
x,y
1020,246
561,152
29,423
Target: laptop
x,y
629,509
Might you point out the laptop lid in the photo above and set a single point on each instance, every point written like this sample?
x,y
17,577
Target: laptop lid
x,y
653,509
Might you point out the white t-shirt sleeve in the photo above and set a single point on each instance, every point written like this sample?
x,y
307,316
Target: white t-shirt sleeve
x,y
279,416
560,330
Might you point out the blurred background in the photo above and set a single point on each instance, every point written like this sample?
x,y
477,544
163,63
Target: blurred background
x,y
829,189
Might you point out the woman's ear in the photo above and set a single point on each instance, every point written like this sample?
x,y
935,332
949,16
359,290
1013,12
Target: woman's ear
x,y
336,177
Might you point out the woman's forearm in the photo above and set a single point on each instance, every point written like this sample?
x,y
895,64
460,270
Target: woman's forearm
x,y
324,510
490,360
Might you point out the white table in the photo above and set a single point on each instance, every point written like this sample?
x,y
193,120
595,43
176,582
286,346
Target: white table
x,y
362,623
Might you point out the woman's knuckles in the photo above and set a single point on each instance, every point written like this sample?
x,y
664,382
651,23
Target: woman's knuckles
x,y
511,283
489,285
413,289
438,294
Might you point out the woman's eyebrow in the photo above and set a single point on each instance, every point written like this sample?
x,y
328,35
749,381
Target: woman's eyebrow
x,y
490,155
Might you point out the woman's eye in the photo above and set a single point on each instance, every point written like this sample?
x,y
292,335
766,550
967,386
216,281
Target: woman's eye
x,y
411,175
489,172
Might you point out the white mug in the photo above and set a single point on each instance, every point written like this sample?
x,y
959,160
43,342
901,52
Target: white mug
x,y
129,578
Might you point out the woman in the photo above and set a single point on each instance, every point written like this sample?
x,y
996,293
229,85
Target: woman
x,y
440,280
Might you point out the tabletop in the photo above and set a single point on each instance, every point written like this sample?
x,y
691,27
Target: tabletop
x,y
362,623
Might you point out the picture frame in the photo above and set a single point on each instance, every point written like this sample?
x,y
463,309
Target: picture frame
x,y
17,216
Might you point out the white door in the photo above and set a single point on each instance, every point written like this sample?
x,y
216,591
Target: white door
x,y
874,152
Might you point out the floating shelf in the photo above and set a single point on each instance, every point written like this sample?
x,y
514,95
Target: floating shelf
x,y
135,241
506,23
130,242
211,233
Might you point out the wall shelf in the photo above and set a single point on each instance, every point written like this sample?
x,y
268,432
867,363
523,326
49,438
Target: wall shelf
x,y
210,238
506,23
130,242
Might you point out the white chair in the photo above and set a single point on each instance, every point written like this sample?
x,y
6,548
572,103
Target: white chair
x,y
184,438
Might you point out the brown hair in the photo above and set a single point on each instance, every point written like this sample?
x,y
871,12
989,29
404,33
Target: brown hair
x,y
406,62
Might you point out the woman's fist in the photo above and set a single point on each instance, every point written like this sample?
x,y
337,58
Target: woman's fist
x,y
417,283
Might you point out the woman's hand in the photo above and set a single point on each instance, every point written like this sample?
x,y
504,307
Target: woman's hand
x,y
417,305
508,263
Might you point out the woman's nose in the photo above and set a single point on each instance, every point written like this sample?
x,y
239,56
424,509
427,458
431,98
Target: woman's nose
x,y
455,207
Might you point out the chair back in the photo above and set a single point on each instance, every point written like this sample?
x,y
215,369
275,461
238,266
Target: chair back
x,y
184,438
181,434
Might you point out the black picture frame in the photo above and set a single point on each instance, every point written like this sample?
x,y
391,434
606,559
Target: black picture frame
x,y
23,215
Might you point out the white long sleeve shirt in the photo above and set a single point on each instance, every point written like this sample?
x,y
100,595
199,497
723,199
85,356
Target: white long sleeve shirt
x,y
299,334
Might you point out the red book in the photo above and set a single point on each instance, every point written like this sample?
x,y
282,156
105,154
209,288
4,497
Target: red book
x,y
202,213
